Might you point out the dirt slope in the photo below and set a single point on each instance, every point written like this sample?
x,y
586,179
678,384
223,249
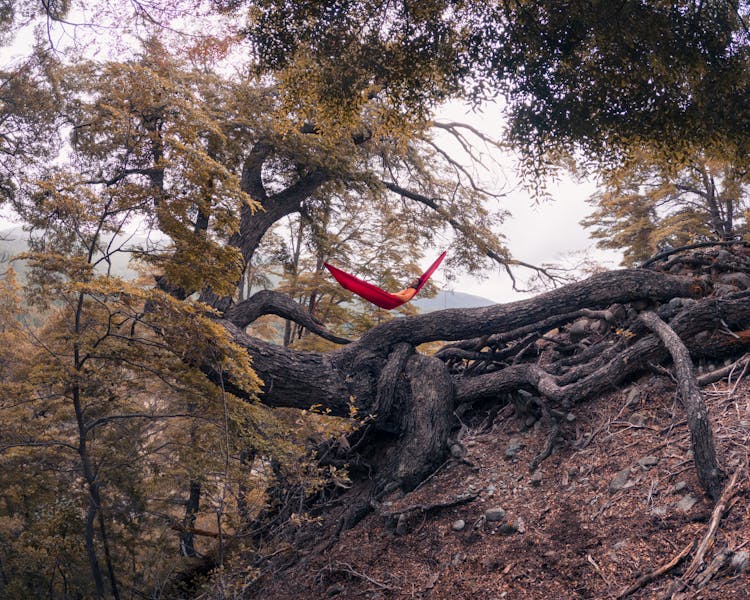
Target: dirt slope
x,y
617,499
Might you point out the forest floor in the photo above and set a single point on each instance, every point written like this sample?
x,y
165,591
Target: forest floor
x,y
617,499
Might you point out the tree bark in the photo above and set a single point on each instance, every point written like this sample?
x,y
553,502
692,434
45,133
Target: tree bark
x,y
268,302
710,474
413,396
192,506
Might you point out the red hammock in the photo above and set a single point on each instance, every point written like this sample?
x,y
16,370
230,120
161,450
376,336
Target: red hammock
x,y
378,296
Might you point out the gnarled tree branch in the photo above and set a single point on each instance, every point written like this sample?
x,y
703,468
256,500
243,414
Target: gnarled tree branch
x,y
268,302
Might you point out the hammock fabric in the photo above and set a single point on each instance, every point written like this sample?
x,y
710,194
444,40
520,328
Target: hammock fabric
x,y
378,296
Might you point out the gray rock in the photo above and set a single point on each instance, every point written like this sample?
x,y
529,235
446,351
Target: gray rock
x,y
335,589
648,461
536,478
513,447
458,525
637,419
686,503
679,487
579,330
675,304
494,514
633,395
457,450
740,561
401,525
619,480
620,545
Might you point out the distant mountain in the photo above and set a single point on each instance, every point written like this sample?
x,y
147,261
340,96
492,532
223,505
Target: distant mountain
x,y
13,242
450,299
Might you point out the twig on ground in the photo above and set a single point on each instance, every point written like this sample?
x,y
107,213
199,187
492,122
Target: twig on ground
x,y
649,577
708,539
728,371
423,508
717,563
342,567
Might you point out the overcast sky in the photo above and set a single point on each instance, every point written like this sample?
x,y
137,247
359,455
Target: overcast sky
x,y
537,233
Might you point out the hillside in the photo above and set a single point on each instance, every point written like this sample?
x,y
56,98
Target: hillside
x,y
450,299
13,242
617,500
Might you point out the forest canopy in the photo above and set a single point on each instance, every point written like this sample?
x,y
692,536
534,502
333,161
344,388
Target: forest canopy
x,y
165,432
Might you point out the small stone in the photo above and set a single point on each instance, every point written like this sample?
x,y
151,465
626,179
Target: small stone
x,y
491,489
620,545
536,478
530,420
513,447
494,514
579,330
570,417
457,451
740,561
659,511
633,395
520,525
675,304
686,502
619,480
679,487
648,461
401,525
458,525
335,589
458,558
637,419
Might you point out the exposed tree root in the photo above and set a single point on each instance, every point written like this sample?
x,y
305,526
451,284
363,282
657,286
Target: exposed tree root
x,y
701,435
560,349
549,445
418,509
349,570
656,573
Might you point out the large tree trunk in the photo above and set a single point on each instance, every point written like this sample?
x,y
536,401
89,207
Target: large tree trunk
x,y
560,348
413,396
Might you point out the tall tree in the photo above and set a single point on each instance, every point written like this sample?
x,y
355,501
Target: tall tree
x,y
213,159
643,207
601,78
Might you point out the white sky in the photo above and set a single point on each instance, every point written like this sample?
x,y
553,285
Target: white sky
x,y
537,233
